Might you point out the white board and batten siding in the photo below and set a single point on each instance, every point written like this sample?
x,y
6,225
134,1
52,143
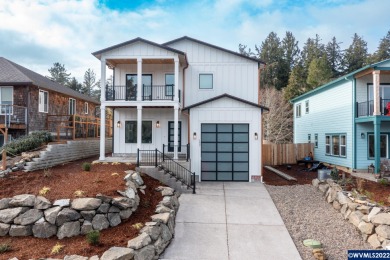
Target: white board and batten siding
x,y
159,135
138,49
229,111
232,74
330,112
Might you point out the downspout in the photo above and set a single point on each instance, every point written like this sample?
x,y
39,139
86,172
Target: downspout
x,y
113,130
183,100
27,110
354,138
262,124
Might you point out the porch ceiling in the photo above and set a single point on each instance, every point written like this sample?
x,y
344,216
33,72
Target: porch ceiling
x,y
369,71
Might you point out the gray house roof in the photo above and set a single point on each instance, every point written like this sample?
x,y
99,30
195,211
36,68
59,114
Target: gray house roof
x,y
14,74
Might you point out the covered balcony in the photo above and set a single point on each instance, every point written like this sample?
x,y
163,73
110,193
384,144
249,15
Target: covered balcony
x,y
366,108
149,92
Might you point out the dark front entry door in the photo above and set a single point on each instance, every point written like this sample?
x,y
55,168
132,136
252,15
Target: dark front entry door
x,y
225,152
171,136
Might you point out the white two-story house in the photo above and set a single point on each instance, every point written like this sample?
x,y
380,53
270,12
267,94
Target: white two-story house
x,y
185,94
348,119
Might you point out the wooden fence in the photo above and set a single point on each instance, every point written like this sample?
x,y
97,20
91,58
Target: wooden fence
x,y
278,154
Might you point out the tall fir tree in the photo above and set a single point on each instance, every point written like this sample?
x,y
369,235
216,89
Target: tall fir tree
x,y
319,72
334,57
89,82
383,51
296,83
59,74
355,57
312,49
290,50
74,84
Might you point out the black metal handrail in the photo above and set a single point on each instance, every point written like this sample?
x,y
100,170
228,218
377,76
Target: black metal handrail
x,y
126,93
182,150
169,165
366,108
158,92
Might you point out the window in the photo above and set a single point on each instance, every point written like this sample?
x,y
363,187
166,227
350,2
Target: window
x,y
205,81
43,101
383,146
336,145
315,140
307,106
298,110
86,108
309,138
169,83
97,111
131,132
6,100
72,106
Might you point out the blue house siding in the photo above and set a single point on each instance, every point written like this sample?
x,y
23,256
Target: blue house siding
x,y
330,112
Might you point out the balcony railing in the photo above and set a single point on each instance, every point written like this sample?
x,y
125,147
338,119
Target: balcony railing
x,y
367,108
149,93
13,116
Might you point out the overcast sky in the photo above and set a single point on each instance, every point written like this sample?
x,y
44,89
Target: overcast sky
x,y
37,33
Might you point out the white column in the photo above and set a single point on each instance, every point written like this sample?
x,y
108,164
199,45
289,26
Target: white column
x,y
103,79
139,79
139,127
176,131
102,132
376,81
176,87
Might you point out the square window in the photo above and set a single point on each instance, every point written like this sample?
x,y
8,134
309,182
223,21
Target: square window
x,y
131,132
205,81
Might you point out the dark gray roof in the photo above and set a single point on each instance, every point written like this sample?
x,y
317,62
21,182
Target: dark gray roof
x,y
14,74
214,46
228,96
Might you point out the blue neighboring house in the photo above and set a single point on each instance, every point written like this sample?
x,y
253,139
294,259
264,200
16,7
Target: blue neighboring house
x,y
348,119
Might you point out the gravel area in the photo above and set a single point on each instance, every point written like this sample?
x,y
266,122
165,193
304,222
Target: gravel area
x,y
306,214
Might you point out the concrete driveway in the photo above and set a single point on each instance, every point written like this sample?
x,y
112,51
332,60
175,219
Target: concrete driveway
x,y
230,220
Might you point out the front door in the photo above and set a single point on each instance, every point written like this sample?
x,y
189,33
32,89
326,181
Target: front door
x,y
171,136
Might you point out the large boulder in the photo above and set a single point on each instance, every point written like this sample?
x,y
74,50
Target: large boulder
x,y
153,230
381,218
100,222
42,203
4,228
161,217
20,231
88,214
114,219
383,231
44,230
51,214
366,228
8,215
147,252
62,203
342,198
118,253
29,217
75,257
139,241
374,241
69,229
355,218
103,208
129,193
373,212
137,179
86,203
86,227
4,203
125,214
67,215
123,202
23,200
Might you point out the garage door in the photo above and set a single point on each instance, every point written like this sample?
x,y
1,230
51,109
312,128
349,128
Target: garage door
x,y
225,152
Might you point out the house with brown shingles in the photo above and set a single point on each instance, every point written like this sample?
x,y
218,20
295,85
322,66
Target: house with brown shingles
x,y
28,100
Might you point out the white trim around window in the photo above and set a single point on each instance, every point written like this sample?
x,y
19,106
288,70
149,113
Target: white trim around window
x,y
298,110
6,100
307,106
336,145
206,81
43,105
72,106
86,111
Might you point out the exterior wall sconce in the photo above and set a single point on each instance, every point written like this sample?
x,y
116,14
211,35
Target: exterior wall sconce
x,y
119,124
256,136
194,136
158,124
362,136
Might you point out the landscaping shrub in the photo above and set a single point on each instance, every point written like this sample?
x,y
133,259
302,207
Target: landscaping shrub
x,y
93,237
5,248
27,143
383,182
86,166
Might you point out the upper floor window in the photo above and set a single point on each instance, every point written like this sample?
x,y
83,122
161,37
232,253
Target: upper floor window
x,y
205,81
169,83
316,140
72,106
86,108
6,100
309,138
298,110
307,106
43,101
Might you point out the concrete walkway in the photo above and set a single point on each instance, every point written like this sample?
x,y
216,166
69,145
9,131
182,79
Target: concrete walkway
x,y
227,220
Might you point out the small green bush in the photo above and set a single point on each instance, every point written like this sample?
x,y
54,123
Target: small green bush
x,y
93,237
28,142
5,248
86,166
334,174
383,181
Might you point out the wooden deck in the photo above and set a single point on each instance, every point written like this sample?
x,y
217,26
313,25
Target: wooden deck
x,y
14,126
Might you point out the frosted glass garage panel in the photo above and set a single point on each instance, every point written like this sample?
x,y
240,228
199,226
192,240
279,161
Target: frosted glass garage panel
x,y
243,157
241,167
225,128
222,147
244,128
208,137
225,166
209,157
225,176
240,138
225,137
225,157
209,147
241,176
209,128
209,166
209,176
244,147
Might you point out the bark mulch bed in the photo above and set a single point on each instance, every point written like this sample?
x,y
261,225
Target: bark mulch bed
x,y
63,181
376,191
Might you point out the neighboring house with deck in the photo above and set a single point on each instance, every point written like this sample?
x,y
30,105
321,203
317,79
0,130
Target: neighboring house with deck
x,y
186,96
28,100
348,119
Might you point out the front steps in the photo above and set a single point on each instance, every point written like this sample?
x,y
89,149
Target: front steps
x,y
165,178
56,154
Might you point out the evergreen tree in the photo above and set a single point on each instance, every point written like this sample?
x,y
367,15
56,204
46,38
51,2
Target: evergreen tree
x,y
242,50
297,82
59,74
356,55
383,51
290,50
74,84
313,49
334,57
89,82
319,72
